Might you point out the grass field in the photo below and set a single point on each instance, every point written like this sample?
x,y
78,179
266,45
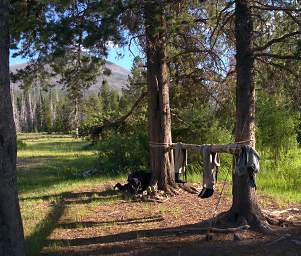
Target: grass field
x,y
51,167
281,180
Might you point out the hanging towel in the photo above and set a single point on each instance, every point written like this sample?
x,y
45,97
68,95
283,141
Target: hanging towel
x,y
211,163
180,158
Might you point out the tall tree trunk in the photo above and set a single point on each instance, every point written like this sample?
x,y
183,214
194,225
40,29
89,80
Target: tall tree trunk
x,y
29,109
159,118
11,230
23,116
245,206
15,109
34,98
51,108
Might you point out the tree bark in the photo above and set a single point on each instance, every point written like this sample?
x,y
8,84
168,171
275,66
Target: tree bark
x,y
11,230
245,206
29,110
15,109
159,118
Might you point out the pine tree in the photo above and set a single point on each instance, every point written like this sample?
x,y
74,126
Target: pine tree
x,y
11,230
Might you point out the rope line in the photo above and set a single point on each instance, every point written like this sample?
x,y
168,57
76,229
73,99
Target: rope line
x,y
159,145
220,196
213,222
169,145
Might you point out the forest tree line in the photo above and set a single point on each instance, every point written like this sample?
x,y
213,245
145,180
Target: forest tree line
x,y
52,111
197,114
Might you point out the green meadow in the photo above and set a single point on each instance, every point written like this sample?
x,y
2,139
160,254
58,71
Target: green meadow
x,y
50,167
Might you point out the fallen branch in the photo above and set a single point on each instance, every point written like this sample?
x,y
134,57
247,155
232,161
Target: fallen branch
x,y
280,212
279,239
280,221
297,242
209,229
188,188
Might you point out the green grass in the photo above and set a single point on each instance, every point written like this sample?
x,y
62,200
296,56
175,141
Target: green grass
x,y
50,167
281,180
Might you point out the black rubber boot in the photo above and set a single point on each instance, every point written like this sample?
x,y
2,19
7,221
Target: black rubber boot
x,y
206,192
177,178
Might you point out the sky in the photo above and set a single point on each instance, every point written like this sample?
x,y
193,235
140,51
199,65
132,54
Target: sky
x,y
127,58
120,56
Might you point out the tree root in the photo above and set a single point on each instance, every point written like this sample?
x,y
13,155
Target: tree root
x,y
265,228
256,222
188,188
277,218
174,191
281,222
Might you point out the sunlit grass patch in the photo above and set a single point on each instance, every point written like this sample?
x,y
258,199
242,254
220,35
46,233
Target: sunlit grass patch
x,y
280,180
49,168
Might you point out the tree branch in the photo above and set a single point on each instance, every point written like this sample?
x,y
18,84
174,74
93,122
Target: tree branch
x,y
267,7
276,40
110,124
293,18
218,19
279,66
277,56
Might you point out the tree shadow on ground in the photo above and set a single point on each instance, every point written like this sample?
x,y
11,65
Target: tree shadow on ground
x,y
39,173
90,224
162,242
36,241
107,194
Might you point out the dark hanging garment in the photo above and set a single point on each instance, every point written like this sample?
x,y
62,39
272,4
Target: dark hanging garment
x,y
247,163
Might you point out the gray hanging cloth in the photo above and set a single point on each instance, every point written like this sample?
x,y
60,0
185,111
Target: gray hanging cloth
x,y
180,160
211,162
247,163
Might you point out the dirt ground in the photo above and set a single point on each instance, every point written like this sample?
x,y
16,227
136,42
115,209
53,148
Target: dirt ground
x,y
98,221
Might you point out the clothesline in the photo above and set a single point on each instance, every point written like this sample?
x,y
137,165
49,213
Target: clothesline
x,y
246,160
214,148
233,148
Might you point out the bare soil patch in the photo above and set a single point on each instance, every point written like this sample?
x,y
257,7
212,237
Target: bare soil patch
x,y
101,221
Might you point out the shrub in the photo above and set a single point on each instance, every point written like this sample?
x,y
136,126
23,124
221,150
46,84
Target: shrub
x,y
20,144
276,125
122,153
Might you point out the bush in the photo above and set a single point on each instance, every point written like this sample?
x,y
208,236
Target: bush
x,y
122,153
276,125
200,125
21,144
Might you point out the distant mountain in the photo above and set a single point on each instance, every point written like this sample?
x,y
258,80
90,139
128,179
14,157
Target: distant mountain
x,y
116,80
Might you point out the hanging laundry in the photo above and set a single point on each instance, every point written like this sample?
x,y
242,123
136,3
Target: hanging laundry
x,y
180,162
247,163
211,163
